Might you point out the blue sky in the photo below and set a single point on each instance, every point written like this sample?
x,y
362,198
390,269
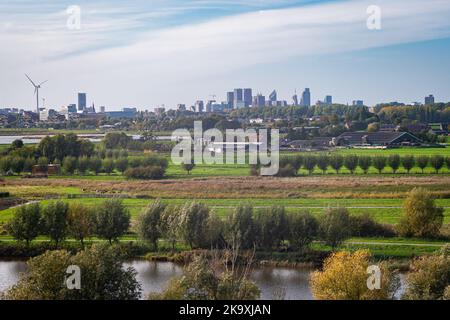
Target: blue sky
x,y
147,53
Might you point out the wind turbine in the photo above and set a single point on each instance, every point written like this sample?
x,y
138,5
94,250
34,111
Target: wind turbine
x,y
36,91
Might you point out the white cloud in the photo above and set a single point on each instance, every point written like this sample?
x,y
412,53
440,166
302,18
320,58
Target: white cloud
x,y
160,58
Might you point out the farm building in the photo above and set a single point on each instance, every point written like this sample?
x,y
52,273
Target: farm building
x,y
386,139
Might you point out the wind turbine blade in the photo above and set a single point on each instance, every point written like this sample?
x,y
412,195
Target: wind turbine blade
x,y
30,80
43,83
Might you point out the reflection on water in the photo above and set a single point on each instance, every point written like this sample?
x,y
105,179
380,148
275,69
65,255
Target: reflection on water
x,y
9,272
154,277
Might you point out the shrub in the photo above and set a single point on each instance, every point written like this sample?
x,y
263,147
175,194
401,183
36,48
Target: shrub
x,y
344,277
273,227
303,228
103,277
287,171
429,277
421,217
241,228
108,165
69,164
335,226
365,226
152,172
121,164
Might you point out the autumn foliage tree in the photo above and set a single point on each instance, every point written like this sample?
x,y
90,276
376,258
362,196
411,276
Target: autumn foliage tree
x,y
345,277
421,217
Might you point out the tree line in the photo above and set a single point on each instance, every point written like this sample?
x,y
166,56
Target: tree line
x,y
197,226
289,166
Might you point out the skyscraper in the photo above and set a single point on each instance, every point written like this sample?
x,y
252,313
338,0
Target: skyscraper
x,y
273,96
248,97
259,101
295,99
238,97
230,100
81,101
328,100
429,99
306,98
199,106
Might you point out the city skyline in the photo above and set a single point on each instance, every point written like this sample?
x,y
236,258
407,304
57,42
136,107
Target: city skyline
x,y
178,52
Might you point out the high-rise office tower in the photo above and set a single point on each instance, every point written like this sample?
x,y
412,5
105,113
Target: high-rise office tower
x,y
259,101
273,96
81,101
238,97
306,98
295,99
248,97
358,103
199,106
230,99
328,100
429,99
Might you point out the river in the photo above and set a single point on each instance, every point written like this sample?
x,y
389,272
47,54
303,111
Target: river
x,y
154,276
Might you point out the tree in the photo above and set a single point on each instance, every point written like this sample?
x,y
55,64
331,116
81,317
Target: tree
x,y
379,162
273,227
421,217
323,162
25,224
422,162
351,162
188,167
108,165
344,277
121,164
17,164
408,162
309,163
83,164
95,164
447,162
148,225
193,224
80,222
364,163
394,162
103,276
112,220
28,164
303,228
437,162
5,164
43,162
241,229
54,221
17,144
69,164
336,162
335,226
216,279
429,277
170,224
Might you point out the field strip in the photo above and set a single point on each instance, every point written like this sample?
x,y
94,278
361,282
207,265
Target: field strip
x,y
320,207
374,243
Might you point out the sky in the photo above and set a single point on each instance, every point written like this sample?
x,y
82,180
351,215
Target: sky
x,y
146,53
